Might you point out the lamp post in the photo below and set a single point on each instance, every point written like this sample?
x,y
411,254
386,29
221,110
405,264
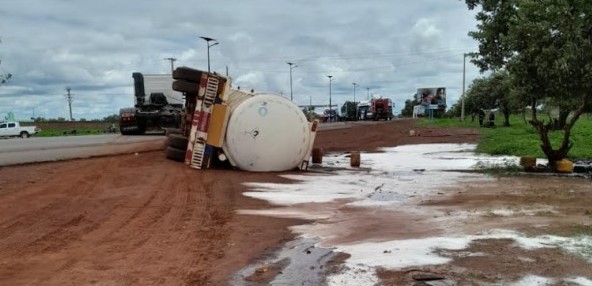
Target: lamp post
x,y
330,111
172,60
292,66
356,106
208,40
462,105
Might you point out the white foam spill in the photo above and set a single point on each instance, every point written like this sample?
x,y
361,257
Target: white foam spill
x,y
422,252
580,281
533,280
354,276
394,177
397,180
505,212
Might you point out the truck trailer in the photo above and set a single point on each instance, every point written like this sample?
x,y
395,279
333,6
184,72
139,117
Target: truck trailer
x,y
250,131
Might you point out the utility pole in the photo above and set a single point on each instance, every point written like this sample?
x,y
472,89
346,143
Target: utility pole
x,y
330,111
69,98
292,66
355,84
462,107
171,60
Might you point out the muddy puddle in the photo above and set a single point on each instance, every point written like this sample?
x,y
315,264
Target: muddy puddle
x,y
416,208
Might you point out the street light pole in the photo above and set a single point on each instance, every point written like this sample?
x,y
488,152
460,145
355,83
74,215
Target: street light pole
x,y
330,111
172,60
462,106
208,40
355,84
292,66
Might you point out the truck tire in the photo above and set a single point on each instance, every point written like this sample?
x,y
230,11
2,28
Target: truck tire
x,y
185,86
141,128
188,74
24,134
177,141
175,154
125,132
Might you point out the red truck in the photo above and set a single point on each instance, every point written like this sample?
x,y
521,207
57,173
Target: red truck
x,y
382,108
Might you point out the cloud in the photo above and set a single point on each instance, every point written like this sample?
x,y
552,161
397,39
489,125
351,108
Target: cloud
x,y
388,46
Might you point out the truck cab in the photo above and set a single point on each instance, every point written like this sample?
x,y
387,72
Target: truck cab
x,y
156,105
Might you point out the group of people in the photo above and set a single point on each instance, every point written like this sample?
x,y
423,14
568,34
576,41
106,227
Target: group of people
x,y
490,122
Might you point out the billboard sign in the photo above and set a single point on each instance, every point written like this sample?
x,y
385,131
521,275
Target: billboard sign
x,y
431,98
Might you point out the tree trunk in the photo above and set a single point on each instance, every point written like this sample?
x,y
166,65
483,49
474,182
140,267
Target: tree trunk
x,y
556,155
506,112
563,114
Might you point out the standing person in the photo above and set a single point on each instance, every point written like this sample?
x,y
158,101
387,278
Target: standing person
x,y
481,117
491,122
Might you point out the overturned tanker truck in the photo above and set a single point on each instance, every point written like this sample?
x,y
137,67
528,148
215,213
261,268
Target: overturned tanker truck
x,y
246,130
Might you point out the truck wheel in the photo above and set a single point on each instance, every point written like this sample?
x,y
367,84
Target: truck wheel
x,y
188,74
185,86
124,132
141,128
177,141
175,154
24,134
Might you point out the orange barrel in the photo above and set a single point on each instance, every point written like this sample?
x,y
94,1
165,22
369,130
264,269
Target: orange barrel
x,y
564,166
355,158
317,156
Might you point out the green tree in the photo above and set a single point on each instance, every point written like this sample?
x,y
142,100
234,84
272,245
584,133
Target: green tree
x,y
348,110
493,91
113,118
407,111
4,77
546,48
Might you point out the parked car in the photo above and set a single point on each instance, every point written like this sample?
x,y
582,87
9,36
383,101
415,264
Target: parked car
x,y
14,129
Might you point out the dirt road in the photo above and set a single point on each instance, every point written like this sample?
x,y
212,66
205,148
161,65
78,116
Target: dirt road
x,y
144,220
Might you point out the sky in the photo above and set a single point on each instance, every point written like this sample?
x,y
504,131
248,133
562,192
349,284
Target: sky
x,y
388,48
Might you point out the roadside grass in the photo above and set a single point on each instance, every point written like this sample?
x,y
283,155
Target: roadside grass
x,y
521,139
69,132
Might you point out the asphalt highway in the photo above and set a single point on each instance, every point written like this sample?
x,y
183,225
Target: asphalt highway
x,y
16,151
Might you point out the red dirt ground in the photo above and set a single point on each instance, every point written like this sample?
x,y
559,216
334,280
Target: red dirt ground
x,y
144,220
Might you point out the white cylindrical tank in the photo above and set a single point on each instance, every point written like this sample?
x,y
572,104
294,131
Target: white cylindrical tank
x,y
266,132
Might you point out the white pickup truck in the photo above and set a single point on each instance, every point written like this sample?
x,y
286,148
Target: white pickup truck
x,y
14,129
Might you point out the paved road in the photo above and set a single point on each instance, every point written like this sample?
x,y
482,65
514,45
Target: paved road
x,y
43,149
348,124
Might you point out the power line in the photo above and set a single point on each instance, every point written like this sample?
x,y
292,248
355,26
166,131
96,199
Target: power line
x,y
393,66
